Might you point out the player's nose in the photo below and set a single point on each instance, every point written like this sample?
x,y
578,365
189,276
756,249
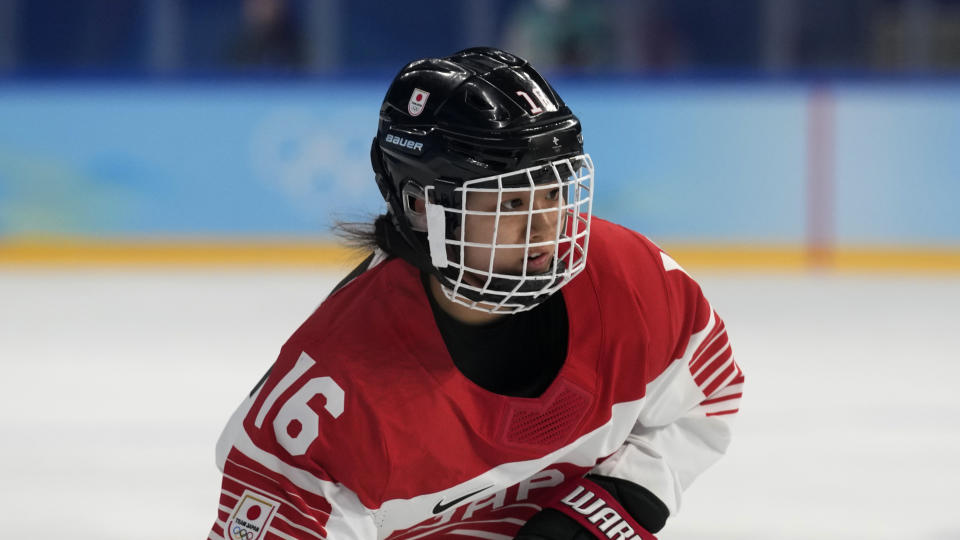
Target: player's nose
x,y
543,220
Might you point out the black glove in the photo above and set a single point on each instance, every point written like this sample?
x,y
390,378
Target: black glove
x,y
602,498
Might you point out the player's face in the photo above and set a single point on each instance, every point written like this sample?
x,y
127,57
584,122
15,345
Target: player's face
x,y
512,229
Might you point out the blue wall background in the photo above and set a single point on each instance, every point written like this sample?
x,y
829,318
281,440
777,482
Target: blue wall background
x,y
679,161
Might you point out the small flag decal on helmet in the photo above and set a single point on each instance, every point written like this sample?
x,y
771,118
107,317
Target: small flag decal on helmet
x,y
418,100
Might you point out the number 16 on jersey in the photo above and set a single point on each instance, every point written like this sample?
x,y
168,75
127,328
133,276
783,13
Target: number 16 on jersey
x,y
296,424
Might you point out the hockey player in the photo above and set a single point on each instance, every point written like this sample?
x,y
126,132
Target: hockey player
x,y
478,374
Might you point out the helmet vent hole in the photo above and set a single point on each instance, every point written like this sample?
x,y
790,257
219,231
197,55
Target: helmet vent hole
x,y
412,203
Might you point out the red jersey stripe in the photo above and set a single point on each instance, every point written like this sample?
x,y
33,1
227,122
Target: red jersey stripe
x,y
242,459
723,378
311,501
277,535
719,413
228,499
717,337
716,363
286,526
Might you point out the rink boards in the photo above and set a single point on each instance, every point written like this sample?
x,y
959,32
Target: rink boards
x,y
772,171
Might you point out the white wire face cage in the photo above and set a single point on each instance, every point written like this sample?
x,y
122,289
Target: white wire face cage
x,y
519,238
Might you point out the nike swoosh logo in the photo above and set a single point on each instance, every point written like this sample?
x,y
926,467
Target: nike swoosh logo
x,y
441,506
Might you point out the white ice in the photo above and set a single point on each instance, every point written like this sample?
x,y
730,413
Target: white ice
x,y
115,385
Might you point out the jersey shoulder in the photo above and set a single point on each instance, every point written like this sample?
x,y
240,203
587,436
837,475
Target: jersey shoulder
x,y
371,333
621,258
368,296
640,289
344,380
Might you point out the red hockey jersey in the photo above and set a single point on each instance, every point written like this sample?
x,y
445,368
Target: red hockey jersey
x,y
365,429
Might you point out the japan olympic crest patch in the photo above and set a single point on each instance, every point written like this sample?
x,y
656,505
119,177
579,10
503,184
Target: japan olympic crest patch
x,y
418,100
251,516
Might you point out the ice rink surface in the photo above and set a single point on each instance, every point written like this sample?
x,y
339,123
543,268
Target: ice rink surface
x,y
116,385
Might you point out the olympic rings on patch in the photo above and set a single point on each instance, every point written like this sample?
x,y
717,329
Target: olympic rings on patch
x,y
241,532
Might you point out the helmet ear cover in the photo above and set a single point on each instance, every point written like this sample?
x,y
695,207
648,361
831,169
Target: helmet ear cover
x,y
441,192
411,193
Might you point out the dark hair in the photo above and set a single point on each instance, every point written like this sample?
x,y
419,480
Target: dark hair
x,y
364,235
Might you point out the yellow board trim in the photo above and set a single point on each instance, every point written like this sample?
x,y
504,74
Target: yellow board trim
x,y
844,258
152,252
324,253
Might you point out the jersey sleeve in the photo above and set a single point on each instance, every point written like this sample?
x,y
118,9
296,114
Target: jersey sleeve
x,y
691,398
275,484
280,503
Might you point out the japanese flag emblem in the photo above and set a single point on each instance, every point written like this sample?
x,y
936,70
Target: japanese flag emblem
x,y
250,517
417,102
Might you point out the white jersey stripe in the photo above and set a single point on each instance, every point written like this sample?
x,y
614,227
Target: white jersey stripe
x,y
733,375
670,264
729,390
438,528
322,511
722,406
720,334
718,369
222,525
434,526
696,339
709,362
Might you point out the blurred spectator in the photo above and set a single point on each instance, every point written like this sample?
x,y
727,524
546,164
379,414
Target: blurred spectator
x,y
270,37
920,36
95,35
670,36
704,34
833,35
657,42
558,34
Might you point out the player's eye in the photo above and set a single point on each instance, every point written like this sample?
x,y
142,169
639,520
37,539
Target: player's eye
x,y
512,204
553,194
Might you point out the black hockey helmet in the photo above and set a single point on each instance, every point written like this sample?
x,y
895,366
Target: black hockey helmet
x,y
482,114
